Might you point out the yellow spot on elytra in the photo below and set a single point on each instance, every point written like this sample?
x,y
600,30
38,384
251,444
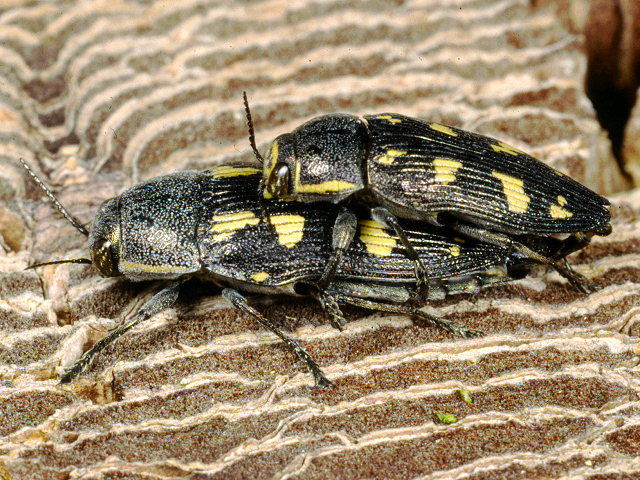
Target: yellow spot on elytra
x,y
455,250
377,242
290,229
224,226
390,157
389,119
459,239
443,129
446,169
231,171
503,147
556,211
259,277
514,192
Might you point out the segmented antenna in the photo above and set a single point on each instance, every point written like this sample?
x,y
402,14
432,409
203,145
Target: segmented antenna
x,y
55,201
63,211
56,262
252,137
252,141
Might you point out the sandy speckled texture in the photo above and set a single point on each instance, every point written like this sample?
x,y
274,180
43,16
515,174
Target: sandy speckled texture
x,y
99,95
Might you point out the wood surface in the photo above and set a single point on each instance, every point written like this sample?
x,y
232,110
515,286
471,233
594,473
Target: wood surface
x,y
99,95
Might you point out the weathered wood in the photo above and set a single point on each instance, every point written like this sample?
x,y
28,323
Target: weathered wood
x,y
122,91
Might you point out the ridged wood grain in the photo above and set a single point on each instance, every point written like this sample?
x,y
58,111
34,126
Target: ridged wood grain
x,y
99,95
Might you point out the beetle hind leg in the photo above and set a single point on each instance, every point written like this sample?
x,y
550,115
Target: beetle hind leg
x,y
555,259
434,320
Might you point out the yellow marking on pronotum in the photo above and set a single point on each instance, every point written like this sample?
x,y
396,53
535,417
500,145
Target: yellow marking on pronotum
x,y
224,226
503,147
556,211
273,159
129,266
231,171
446,169
326,187
443,129
290,229
377,242
514,192
389,119
390,157
455,250
330,186
260,277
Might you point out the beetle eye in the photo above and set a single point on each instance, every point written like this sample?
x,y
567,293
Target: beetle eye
x,y
103,259
279,181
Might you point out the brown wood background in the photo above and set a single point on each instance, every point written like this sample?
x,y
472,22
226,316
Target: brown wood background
x,y
98,95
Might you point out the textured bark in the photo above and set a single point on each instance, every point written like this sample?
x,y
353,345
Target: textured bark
x,y
99,95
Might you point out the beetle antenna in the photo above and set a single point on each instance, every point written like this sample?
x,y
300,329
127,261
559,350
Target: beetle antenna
x,y
252,136
55,201
56,262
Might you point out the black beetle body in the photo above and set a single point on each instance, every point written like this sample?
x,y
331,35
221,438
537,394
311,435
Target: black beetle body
x,y
210,224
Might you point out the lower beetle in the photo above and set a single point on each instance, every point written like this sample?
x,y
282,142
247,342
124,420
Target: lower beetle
x,y
412,169
209,224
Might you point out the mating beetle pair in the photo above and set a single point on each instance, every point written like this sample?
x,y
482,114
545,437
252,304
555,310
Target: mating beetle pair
x,y
407,168
439,181
210,224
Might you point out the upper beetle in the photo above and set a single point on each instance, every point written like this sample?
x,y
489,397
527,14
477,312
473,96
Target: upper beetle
x,y
413,169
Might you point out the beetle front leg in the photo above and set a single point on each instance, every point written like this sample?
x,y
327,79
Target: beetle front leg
x,y
388,220
159,302
344,229
238,301
330,306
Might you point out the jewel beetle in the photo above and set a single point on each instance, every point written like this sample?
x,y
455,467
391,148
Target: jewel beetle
x,y
210,224
407,168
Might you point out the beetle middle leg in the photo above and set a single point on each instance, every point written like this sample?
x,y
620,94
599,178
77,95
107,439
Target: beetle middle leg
x,y
238,301
388,220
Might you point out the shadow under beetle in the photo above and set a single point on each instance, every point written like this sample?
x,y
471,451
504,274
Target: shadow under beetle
x,y
210,224
407,168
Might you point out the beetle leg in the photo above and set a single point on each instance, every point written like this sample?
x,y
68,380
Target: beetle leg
x,y
573,243
344,229
264,210
159,302
559,264
330,306
439,322
239,302
387,219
